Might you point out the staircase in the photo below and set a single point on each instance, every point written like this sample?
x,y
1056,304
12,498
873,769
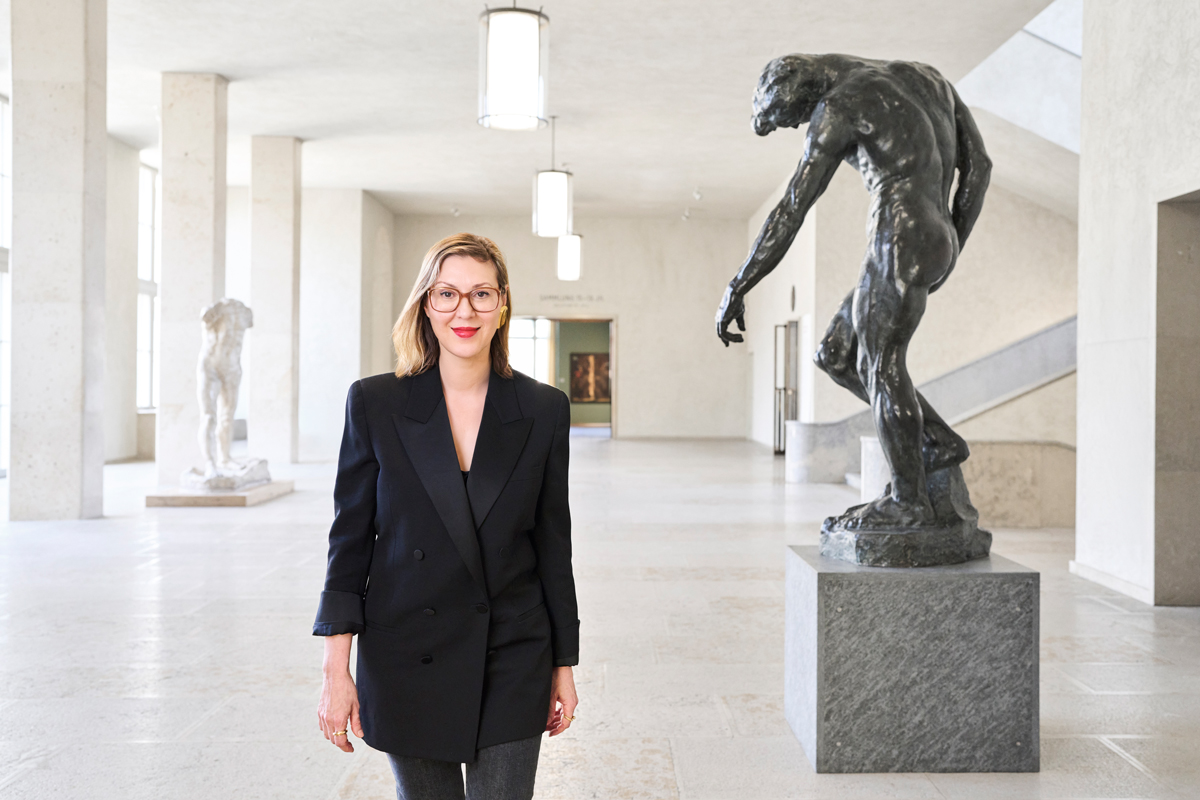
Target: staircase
x,y
828,452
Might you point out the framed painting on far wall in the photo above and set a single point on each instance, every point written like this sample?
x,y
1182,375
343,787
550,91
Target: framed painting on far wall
x,y
589,378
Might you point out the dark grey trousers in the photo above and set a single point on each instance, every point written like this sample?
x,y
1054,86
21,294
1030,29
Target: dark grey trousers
x,y
501,772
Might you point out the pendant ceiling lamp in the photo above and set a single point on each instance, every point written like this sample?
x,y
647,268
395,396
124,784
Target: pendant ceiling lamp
x,y
514,48
552,198
569,248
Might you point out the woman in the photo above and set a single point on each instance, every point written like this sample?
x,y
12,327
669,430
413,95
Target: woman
x,y
450,550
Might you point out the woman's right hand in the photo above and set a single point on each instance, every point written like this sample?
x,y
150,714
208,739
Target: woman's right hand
x,y
338,710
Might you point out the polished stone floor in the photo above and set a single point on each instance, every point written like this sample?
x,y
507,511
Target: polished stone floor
x,y
165,653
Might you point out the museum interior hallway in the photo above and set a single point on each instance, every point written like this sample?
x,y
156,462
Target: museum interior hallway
x,y
135,662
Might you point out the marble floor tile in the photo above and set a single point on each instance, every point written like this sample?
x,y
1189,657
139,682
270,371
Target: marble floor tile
x,y
775,767
96,720
1136,678
367,776
617,769
1082,767
612,716
181,771
1095,650
643,680
757,714
1172,761
167,653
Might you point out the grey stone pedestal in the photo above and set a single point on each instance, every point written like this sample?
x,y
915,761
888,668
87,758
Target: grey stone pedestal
x,y
930,669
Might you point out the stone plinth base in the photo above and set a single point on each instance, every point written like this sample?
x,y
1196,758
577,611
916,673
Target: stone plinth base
x,y
912,670
246,497
954,538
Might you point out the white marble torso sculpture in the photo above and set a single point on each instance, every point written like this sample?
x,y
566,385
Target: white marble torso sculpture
x,y
218,375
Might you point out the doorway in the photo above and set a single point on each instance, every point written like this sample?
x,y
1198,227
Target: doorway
x,y
1177,414
574,355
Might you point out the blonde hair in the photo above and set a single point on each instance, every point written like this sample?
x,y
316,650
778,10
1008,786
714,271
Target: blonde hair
x,y
417,347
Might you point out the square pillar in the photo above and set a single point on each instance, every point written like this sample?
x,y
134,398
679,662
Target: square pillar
x,y
193,255
1138,487
274,384
59,69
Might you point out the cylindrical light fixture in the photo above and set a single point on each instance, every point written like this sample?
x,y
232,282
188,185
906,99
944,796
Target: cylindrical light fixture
x,y
569,252
514,50
552,203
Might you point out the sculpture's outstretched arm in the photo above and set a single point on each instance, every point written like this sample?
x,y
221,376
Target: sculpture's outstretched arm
x,y
974,172
827,142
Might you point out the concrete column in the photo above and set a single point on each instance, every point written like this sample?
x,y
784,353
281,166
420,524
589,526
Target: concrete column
x,y
59,66
346,248
121,290
274,384
331,306
193,254
1138,487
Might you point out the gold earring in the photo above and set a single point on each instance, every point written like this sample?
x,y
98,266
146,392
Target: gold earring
x,y
503,315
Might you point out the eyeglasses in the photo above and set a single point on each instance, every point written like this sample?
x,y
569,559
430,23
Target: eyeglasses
x,y
446,299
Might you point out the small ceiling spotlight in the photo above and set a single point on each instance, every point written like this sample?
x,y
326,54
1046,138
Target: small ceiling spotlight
x,y
697,194
686,215
514,52
454,212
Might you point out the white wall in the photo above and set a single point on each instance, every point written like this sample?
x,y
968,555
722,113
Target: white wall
x,y
1015,277
1137,503
120,305
659,279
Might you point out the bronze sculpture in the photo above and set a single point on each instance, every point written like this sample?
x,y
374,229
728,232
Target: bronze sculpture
x,y
904,128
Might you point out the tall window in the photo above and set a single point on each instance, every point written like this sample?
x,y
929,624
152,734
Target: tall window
x,y
147,305
529,347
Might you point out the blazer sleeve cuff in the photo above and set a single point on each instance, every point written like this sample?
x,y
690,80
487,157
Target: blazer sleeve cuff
x,y
566,646
338,613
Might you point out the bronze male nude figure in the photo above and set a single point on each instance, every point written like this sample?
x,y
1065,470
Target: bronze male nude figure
x,y
904,128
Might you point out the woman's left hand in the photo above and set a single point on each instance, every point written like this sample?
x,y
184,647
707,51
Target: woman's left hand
x,y
563,701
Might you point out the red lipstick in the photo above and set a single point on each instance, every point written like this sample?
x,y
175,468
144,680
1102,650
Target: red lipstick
x,y
464,333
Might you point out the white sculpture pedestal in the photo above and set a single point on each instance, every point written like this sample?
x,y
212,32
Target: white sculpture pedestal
x,y
875,473
241,497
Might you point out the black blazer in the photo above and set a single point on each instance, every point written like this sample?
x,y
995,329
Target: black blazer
x,y
462,596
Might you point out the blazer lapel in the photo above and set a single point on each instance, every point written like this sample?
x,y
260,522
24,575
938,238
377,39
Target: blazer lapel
x,y
424,429
502,435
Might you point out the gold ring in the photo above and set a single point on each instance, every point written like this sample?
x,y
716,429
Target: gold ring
x,y
339,733
569,719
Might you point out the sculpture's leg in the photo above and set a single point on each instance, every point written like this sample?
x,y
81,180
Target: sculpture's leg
x,y
886,313
227,407
837,356
887,318
207,389
943,447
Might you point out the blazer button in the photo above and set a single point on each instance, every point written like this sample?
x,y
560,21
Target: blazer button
x,y
481,608
430,612
491,653
426,659
503,551
418,554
